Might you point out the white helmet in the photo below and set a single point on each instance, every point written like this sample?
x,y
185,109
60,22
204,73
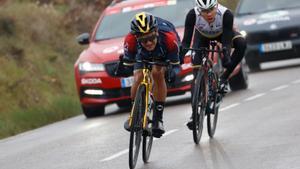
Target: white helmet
x,y
206,4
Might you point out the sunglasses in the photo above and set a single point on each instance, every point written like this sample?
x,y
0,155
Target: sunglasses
x,y
146,39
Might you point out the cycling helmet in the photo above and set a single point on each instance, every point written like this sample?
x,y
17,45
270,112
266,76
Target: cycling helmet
x,y
206,4
143,23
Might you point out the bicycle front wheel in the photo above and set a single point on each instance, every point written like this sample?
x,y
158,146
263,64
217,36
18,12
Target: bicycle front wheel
x,y
137,126
147,145
198,106
213,107
147,135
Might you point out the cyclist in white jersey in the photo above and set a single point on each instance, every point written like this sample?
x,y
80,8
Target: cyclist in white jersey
x,y
208,21
212,21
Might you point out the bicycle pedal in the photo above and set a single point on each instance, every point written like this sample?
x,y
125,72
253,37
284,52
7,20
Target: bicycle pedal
x,y
190,125
222,92
156,135
147,132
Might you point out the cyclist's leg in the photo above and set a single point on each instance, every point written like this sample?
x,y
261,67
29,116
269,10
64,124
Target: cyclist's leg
x,y
239,44
138,77
159,93
159,84
199,41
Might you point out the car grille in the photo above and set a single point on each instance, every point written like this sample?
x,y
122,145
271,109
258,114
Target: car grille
x,y
273,35
110,68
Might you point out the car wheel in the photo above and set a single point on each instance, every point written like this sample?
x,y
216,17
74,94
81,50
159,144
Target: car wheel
x,y
124,104
93,111
240,80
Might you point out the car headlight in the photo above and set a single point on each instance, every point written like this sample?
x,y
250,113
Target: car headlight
x,y
188,78
91,67
243,33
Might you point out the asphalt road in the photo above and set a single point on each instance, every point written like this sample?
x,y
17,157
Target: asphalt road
x,y
258,128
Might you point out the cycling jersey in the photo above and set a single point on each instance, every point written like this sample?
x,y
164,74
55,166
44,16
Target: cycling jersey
x,y
167,47
221,28
210,30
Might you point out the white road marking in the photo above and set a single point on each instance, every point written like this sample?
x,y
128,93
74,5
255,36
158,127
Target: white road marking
x,y
170,132
255,97
222,109
229,107
167,133
296,81
279,88
92,125
115,155
127,150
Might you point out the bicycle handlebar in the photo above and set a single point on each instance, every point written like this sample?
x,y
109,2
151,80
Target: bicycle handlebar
x,y
158,63
205,49
147,62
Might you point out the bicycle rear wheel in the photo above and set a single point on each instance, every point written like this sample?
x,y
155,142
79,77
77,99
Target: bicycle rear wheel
x,y
137,126
147,135
213,107
198,106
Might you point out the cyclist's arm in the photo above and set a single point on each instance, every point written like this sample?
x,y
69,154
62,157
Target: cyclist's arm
x,y
227,29
173,56
188,30
130,49
172,48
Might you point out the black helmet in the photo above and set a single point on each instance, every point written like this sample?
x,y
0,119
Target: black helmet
x,y
143,23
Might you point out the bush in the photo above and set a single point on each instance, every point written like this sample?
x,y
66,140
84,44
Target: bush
x,y
37,55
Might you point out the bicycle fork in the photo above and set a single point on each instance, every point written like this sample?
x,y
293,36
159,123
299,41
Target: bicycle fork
x,y
148,114
214,96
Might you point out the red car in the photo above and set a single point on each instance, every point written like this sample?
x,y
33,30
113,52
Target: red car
x,y
94,70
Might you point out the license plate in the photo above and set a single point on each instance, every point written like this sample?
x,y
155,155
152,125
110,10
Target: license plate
x,y
276,46
127,82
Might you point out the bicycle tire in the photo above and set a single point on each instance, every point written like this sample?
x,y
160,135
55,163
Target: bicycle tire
x,y
198,106
147,136
213,111
136,127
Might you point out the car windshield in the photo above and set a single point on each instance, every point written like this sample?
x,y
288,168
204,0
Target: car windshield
x,y
259,6
118,24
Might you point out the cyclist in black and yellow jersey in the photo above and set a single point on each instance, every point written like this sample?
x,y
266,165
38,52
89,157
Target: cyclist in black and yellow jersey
x,y
154,39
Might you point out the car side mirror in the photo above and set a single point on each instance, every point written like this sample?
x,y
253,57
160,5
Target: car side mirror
x,y
83,39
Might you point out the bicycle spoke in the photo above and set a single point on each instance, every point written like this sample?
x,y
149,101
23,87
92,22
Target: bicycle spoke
x,y
212,117
148,138
137,129
198,107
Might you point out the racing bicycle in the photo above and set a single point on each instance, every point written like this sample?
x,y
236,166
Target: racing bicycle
x,y
141,116
206,95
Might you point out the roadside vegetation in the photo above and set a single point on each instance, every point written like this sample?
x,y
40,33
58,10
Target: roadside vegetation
x,y
37,53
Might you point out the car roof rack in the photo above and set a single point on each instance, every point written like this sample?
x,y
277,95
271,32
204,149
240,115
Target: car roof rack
x,y
114,2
